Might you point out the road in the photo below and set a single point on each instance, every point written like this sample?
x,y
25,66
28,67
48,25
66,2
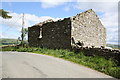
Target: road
x,y
0,65
29,65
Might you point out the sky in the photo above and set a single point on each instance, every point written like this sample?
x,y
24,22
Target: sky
x,y
38,11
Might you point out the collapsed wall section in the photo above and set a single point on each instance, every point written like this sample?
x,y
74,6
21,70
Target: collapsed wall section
x,y
87,29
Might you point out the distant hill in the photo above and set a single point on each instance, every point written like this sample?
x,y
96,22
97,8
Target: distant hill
x,y
113,46
5,41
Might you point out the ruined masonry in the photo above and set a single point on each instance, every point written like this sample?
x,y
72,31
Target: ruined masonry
x,y
84,29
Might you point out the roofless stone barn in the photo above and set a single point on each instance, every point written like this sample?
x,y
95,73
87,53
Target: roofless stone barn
x,y
84,29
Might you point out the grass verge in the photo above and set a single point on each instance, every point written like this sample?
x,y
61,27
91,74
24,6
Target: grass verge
x,y
95,62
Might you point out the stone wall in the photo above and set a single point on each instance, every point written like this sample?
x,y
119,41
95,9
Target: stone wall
x,y
114,54
33,34
87,28
54,34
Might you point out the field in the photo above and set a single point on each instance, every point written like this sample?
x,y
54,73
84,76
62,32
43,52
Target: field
x,y
113,46
5,41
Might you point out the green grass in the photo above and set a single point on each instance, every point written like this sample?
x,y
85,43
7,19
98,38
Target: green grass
x,y
95,62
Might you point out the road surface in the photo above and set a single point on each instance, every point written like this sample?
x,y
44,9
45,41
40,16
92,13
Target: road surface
x,y
29,65
0,65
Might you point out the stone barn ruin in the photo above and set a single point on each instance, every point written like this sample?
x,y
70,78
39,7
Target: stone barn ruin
x,y
84,29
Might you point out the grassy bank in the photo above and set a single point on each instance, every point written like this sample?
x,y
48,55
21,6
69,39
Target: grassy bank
x,y
95,62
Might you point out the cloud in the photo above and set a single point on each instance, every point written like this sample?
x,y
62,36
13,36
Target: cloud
x,y
33,19
14,24
67,9
4,36
68,6
60,0
110,21
53,3
1,36
97,0
16,20
97,6
11,36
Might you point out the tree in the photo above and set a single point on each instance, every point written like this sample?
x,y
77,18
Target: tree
x,y
4,14
24,31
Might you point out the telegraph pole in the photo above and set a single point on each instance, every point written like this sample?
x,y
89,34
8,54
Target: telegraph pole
x,y
22,35
23,21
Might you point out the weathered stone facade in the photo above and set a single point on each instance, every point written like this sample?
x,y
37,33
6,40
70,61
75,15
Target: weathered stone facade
x,y
54,34
87,28
84,29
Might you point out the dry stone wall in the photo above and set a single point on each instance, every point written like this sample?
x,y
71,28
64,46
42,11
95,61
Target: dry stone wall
x,y
114,54
54,34
33,35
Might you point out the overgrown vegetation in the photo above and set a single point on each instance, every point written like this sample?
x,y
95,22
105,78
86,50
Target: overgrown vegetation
x,y
95,62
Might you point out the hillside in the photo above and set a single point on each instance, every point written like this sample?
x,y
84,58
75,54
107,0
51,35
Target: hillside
x,y
5,41
113,46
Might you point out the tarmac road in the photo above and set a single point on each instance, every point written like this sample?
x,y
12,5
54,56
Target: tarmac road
x,y
0,65
29,65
